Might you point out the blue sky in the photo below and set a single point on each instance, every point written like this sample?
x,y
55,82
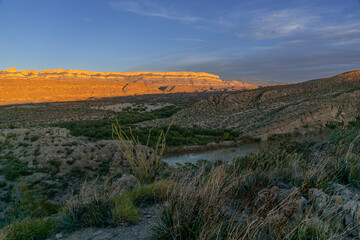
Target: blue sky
x,y
282,40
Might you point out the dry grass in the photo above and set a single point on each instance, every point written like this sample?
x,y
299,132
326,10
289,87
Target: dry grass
x,y
242,200
145,162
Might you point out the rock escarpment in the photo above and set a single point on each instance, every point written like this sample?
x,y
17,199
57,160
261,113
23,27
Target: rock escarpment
x,y
72,85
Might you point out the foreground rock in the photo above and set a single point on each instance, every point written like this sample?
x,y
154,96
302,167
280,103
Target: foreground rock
x,y
140,231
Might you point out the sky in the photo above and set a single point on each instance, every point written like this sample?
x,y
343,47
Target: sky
x,y
273,40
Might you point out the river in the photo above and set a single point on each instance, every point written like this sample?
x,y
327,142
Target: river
x,y
224,154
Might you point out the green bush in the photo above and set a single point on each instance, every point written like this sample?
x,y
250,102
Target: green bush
x,y
178,136
30,229
31,205
96,213
147,193
125,211
14,168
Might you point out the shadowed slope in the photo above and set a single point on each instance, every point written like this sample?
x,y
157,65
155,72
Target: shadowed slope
x,y
279,109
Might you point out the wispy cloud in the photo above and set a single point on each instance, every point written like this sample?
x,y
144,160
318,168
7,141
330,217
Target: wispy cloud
x,y
151,9
277,24
286,42
188,40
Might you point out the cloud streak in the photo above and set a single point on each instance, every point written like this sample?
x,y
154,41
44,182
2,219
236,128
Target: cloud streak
x,y
150,9
188,40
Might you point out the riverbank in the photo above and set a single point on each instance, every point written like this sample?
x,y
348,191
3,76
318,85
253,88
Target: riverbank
x,y
175,151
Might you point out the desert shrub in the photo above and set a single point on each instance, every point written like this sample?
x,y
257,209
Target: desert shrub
x,y
303,148
305,230
250,139
145,163
100,204
178,136
101,129
333,125
95,213
125,211
248,186
13,167
30,229
311,231
356,123
194,208
147,193
266,160
91,207
34,138
72,216
30,203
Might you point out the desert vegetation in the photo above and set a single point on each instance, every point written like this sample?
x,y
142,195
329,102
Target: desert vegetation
x,y
101,129
296,191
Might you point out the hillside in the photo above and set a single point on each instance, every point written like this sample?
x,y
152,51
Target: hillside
x,y
60,85
280,109
254,81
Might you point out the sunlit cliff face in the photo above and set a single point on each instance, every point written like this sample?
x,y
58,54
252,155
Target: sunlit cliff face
x,y
73,85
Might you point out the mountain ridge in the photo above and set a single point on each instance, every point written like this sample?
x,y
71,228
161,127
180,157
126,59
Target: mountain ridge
x,y
54,85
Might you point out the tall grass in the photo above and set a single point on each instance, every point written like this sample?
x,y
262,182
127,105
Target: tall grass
x,y
261,196
92,206
30,229
145,162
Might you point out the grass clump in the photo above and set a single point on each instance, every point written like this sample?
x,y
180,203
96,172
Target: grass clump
x,y
126,206
265,160
194,208
95,213
145,163
100,204
125,211
148,193
30,229
90,208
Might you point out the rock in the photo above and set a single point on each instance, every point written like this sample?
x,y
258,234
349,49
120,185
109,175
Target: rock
x,y
58,235
126,182
344,192
353,207
11,70
267,195
35,177
103,236
318,198
304,201
98,232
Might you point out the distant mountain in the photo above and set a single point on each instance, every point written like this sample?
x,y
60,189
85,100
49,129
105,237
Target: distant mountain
x,y
73,85
256,82
279,109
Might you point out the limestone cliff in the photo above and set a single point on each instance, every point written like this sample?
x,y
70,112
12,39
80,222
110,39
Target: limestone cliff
x,y
72,85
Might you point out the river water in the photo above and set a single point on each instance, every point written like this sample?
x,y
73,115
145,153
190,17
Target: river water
x,y
225,154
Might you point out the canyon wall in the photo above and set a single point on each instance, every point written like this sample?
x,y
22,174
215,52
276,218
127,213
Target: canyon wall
x,y
72,85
